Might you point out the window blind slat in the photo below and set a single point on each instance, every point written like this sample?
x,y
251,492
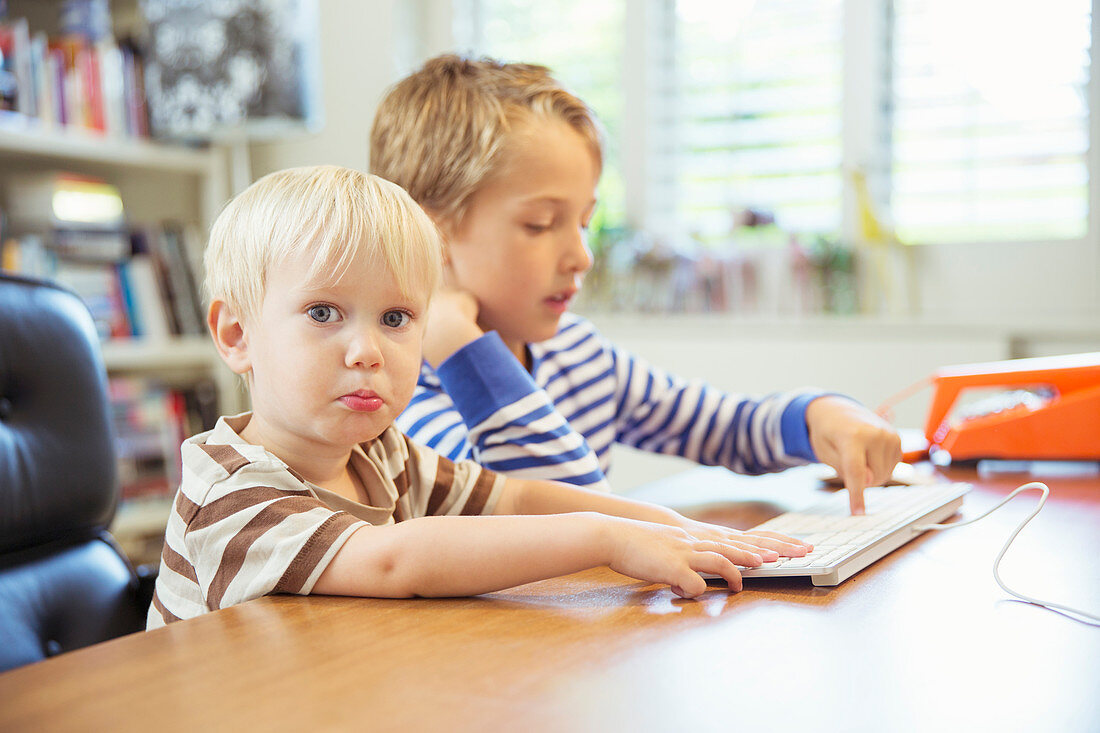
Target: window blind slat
x,y
990,129
758,120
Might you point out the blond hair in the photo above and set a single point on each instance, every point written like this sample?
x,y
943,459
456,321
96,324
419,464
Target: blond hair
x,y
336,215
441,132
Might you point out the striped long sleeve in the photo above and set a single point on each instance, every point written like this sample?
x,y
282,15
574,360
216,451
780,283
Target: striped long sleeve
x,y
661,413
481,404
582,396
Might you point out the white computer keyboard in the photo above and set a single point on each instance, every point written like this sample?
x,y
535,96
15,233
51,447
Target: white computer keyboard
x,y
845,544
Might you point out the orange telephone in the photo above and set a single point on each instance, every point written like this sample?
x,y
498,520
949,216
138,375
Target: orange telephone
x,y
1059,420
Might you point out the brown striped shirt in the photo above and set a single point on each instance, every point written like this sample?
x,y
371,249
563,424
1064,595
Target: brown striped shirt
x,y
245,525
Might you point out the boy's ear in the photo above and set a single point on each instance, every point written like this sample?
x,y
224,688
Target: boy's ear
x,y
229,337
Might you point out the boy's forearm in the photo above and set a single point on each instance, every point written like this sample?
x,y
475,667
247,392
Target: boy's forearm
x,y
522,496
460,556
493,395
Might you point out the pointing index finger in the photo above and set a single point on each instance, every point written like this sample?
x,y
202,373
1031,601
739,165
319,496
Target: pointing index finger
x,y
855,472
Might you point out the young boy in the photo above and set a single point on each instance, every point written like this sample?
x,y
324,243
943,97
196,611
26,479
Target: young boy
x,y
506,161
319,281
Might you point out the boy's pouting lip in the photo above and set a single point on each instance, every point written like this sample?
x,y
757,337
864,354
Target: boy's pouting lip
x,y
363,400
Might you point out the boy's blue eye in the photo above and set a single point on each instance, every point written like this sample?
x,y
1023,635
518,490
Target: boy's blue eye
x,y
322,313
395,319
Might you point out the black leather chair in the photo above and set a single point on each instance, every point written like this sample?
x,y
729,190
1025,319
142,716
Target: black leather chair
x,y
64,583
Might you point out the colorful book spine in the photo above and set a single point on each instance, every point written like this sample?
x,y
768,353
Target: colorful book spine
x,y
72,81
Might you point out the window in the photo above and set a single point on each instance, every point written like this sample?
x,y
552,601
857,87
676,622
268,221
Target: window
x,y
758,112
983,110
990,120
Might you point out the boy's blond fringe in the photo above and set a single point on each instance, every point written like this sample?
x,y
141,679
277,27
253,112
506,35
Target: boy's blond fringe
x,y
332,213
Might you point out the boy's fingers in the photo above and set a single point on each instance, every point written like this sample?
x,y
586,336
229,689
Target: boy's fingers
x,y
855,478
779,542
718,564
779,545
691,584
766,554
753,541
742,555
884,460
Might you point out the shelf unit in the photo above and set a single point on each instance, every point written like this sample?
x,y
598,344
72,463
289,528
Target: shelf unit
x,y
133,165
157,181
34,146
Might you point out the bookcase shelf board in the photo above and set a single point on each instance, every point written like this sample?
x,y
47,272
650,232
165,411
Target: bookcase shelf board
x,y
181,352
74,145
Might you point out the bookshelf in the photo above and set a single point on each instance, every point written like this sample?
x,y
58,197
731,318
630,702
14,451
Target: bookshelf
x,y
157,181
88,85
191,183
179,360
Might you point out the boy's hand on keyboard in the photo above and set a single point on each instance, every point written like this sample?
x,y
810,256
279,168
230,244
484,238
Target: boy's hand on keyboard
x,y
861,446
769,545
661,553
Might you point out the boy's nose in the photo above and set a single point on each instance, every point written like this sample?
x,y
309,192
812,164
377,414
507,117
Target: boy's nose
x,y
578,257
364,351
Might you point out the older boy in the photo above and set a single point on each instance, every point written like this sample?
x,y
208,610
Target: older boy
x,y
319,281
506,161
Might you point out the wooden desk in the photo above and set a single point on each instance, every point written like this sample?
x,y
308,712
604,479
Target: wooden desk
x,y
923,640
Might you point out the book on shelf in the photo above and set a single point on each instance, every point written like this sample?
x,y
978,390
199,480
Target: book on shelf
x,y
138,295
73,79
133,88
15,72
181,248
145,298
26,255
164,246
138,281
101,290
150,421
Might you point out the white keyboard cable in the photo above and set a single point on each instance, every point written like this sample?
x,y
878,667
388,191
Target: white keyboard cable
x,y
1037,486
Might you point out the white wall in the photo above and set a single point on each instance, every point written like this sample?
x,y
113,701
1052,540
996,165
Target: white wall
x,y
359,59
1052,281
366,46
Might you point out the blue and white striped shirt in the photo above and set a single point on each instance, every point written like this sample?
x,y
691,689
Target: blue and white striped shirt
x,y
584,394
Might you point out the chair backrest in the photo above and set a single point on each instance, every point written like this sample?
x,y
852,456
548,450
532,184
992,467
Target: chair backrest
x,y
63,583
